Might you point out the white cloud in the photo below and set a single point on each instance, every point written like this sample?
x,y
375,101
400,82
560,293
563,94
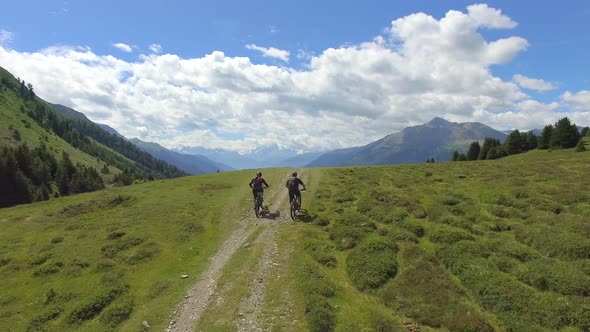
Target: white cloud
x,y
577,101
420,68
533,83
155,48
273,29
123,47
270,52
5,37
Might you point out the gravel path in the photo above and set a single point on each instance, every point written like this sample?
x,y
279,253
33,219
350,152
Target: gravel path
x,y
200,294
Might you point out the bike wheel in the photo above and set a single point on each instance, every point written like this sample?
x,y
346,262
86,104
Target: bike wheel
x,y
293,209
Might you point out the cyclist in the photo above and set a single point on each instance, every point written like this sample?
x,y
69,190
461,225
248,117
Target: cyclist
x,y
257,185
293,186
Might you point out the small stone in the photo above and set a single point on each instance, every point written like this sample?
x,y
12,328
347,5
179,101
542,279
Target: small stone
x,y
184,276
145,324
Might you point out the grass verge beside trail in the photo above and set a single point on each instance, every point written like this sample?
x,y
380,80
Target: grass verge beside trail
x,y
472,246
113,258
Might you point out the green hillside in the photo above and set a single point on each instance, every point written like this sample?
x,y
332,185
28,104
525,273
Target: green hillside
x,y
472,246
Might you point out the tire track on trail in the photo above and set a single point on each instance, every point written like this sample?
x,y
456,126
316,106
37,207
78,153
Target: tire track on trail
x,y
189,311
250,308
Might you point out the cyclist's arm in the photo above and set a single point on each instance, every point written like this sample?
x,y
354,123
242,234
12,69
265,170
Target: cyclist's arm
x,y
264,182
301,183
250,184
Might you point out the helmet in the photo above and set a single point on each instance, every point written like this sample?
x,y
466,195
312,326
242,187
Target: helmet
x,y
294,174
259,174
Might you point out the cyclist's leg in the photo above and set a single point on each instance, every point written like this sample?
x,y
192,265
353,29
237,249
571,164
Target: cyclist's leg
x,y
298,193
291,196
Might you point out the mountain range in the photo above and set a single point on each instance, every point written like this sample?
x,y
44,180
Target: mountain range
x,y
436,139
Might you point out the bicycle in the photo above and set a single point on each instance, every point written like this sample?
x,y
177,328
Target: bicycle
x,y
295,206
258,204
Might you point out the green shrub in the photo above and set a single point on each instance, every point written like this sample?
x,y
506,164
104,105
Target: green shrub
x,y
92,307
553,241
381,322
319,313
424,292
115,235
448,235
554,275
5,261
320,250
414,227
511,248
344,196
349,229
49,268
117,313
111,250
105,264
145,252
40,259
58,239
372,263
39,321
396,234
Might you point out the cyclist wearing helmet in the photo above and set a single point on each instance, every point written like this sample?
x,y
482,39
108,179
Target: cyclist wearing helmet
x,y
293,185
257,185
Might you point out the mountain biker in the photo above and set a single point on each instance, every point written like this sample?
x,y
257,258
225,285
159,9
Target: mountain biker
x,y
257,185
293,186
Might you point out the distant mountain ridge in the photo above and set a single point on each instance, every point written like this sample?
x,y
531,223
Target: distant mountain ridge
x,y
192,164
435,139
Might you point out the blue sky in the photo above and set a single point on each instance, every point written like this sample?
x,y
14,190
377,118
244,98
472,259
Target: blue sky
x,y
556,51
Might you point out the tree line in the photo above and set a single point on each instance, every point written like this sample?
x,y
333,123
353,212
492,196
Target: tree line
x,y
83,135
31,175
562,135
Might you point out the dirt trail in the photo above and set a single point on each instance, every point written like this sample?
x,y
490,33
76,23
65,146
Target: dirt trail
x,y
251,307
200,294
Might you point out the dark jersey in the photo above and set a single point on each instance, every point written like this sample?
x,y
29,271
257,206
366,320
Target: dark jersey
x,y
293,184
257,183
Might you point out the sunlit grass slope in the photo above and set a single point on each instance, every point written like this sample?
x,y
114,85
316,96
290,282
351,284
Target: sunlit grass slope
x,y
114,258
467,246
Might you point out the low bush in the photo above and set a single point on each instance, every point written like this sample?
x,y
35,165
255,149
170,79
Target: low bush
x,y
145,252
105,264
94,306
319,313
111,250
40,320
448,235
553,241
49,268
58,239
372,263
382,322
557,276
349,229
414,227
115,235
40,259
117,313
320,250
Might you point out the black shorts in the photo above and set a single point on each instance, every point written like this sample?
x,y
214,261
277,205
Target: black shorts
x,y
254,191
293,194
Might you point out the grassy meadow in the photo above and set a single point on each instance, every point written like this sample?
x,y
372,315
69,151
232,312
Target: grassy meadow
x,y
464,246
467,246
109,260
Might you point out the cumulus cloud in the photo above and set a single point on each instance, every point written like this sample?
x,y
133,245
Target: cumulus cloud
x,y
577,101
123,47
155,48
420,68
270,52
5,37
533,83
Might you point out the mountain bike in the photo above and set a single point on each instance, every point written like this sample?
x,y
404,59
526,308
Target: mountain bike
x,y
295,206
258,204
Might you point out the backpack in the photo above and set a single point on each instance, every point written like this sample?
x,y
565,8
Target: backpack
x,y
293,184
257,182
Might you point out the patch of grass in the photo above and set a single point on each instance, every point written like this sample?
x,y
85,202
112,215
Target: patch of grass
x,y
57,239
447,235
143,253
48,268
372,263
39,321
554,275
321,251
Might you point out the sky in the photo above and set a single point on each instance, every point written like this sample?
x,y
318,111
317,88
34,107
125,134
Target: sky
x,y
306,75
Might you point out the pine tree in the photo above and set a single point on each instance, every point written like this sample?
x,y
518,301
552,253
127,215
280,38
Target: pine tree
x,y
462,157
545,138
455,156
514,143
473,152
531,140
565,135
585,132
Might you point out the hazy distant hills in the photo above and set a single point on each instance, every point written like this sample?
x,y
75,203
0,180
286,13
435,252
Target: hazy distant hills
x,y
435,139
192,164
266,156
